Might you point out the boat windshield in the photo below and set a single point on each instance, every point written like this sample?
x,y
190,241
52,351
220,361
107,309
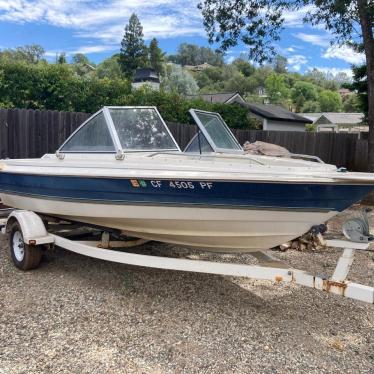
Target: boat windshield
x,y
141,129
114,129
214,131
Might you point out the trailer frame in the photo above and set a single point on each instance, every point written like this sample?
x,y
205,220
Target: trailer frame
x,y
35,235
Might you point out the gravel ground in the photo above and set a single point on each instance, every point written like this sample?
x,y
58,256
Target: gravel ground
x,y
80,315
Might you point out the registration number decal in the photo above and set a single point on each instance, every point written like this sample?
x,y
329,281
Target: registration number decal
x,y
178,185
188,185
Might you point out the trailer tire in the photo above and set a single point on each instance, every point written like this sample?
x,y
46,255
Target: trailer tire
x,y
24,256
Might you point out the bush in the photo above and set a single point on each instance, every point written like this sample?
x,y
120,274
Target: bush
x,y
58,87
310,127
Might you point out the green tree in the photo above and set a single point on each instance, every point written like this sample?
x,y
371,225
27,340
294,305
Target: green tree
x,y
316,76
227,78
311,107
326,80
244,67
133,50
3,103
342,78
31,54
214,78
280,64
187,54
262,73
330,101
276,88
109,68
228,22
80,58
179,81
61,58
360,85
156,56
192,54
303,92
352,104
237,83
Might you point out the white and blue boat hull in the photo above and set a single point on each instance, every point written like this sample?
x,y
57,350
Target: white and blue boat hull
x,y
230,216
222,229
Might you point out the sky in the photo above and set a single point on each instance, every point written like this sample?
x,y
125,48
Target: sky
x,y
95,28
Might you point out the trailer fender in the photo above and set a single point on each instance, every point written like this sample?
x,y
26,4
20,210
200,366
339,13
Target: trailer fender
x,y
32,226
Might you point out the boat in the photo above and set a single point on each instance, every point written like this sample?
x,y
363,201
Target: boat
x,y
122,169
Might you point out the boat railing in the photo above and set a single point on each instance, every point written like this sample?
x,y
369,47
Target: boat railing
x,y
292,155
306,157
189,154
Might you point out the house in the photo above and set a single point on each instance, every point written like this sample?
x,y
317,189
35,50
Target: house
x,y
276,118
200,67
272,117
345,93
261,92
221,98
337,122
146,76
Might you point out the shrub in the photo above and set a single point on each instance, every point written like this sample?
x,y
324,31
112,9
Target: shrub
x,y
58,87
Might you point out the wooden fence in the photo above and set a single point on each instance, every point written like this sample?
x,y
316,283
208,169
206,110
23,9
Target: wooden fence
x,y
28,133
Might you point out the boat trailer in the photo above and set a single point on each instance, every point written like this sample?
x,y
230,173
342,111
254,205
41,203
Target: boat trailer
x,y
30,234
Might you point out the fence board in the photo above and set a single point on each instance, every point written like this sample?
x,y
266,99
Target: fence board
x,y
12,136
23,126
32,133
38,133
51,130
3,133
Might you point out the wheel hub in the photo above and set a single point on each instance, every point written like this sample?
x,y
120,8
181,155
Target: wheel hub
x,y
18,246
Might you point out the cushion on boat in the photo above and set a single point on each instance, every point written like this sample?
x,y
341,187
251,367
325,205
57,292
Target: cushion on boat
x,y
267,149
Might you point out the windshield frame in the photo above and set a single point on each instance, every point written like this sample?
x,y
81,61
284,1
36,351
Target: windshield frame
x,y
194,114
113,133
177,148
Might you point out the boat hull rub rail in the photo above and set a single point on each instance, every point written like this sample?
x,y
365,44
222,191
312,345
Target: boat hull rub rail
x,y
335,285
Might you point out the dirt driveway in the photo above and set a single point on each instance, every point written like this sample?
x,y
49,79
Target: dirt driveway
x,y
80,315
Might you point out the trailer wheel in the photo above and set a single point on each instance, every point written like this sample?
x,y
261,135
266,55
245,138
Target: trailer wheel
x,y
24,256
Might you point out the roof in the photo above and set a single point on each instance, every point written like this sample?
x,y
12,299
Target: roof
x,y
336,118
145,74
312,116
275,112
221,97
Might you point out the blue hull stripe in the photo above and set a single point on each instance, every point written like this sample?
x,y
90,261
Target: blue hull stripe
x,y
216,193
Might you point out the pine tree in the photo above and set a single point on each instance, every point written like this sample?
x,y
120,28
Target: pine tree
x,y
133,50
280,64
156,56
61,58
